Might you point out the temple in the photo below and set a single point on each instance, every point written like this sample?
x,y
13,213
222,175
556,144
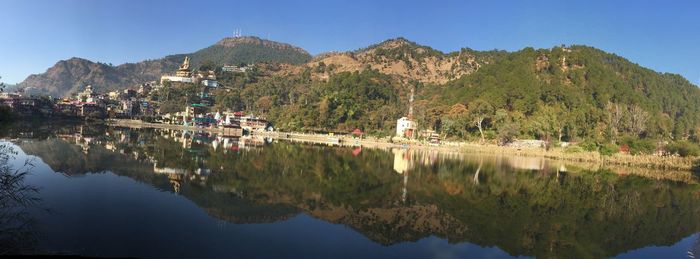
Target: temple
x,y
184,75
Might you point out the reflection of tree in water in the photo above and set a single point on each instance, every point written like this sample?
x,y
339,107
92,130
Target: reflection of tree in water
x,y
17,233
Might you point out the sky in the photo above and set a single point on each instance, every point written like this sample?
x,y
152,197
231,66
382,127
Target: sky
x,y
34,35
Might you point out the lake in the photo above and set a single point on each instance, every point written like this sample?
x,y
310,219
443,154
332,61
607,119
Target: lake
x,y
119,192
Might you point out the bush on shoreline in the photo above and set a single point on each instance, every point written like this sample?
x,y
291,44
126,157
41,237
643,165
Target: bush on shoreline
x,y
683,148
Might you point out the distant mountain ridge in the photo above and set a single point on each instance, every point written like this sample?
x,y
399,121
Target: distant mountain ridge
x,y
70,76
400,58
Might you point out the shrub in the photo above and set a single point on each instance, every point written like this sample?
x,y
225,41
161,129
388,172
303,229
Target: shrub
x,y
589,145
639,146
683,148
573,149
609,149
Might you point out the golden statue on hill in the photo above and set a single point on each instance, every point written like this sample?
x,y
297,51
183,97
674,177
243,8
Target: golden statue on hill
x,y
185,64
184,70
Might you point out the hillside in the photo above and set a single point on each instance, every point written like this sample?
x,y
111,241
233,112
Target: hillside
x,y
571,93
69,76
406,59
249,50
575,93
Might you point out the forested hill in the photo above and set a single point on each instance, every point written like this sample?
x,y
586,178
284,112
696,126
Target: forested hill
x,y
249,50
571,93
576,92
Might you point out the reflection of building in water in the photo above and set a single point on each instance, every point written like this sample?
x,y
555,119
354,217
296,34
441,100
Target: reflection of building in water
x,y
200,175
83,143
175,175
527,163
109,145
402,163
535,164
251,141
402,160
225,143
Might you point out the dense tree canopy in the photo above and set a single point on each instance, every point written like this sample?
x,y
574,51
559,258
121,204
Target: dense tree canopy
x,y
577,93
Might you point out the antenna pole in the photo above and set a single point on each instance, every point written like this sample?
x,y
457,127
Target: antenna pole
x,y
410,105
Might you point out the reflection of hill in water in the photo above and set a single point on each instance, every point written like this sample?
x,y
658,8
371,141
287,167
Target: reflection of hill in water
x,y
226,206
525,212
73,159
69,158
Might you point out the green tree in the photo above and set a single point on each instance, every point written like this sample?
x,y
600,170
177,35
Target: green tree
x,y
207,65
507,126
5,112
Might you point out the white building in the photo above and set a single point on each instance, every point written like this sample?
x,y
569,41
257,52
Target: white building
x,y
229,68
405,127
210,83
176,79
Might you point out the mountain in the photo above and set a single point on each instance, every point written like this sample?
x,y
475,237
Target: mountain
x,y
249,50
406,59
69,76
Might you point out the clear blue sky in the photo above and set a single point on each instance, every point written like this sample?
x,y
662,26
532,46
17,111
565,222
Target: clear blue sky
x,y
36,34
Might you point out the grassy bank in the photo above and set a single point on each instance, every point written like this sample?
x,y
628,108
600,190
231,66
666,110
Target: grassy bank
x,y
646,161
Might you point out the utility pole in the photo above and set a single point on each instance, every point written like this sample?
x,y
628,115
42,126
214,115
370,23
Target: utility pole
x,y
410,105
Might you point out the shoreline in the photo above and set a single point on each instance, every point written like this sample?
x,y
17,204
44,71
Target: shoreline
x,y
641,161
142,124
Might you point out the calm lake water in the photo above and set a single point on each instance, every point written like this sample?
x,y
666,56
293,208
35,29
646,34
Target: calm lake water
x,y
172,194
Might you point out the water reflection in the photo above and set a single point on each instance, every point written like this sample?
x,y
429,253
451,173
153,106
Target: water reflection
x,y
525,206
